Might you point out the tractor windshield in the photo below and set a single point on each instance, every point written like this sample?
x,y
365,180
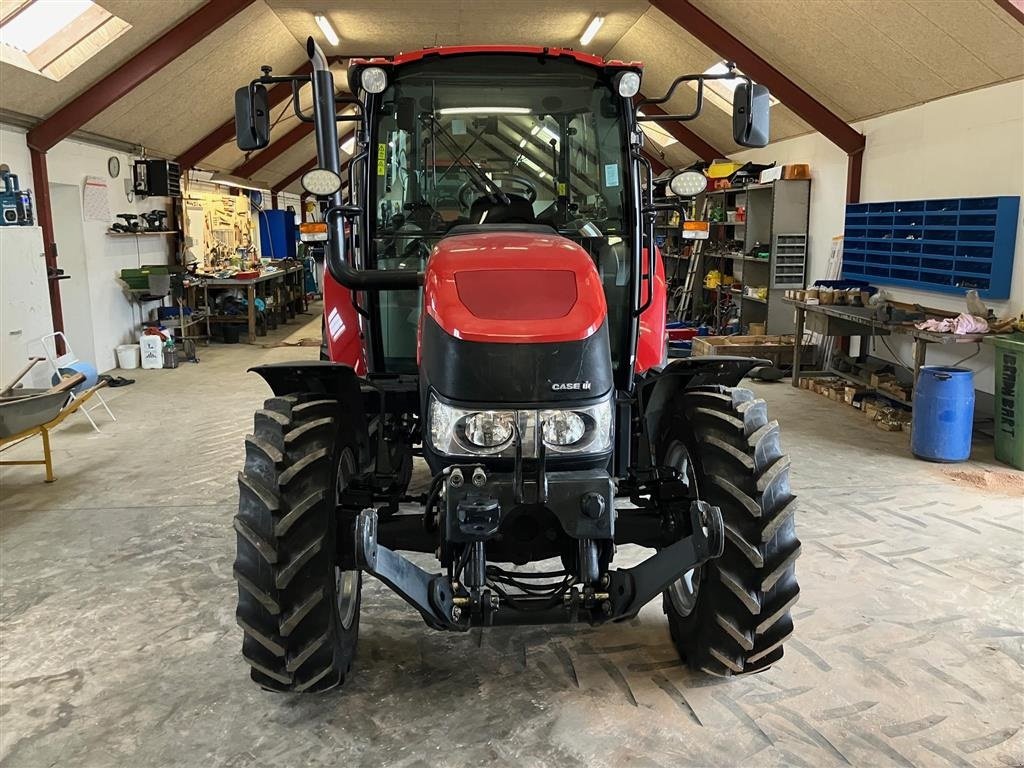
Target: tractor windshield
x,y
495,139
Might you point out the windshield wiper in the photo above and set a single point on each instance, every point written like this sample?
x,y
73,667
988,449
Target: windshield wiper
x,y
477,176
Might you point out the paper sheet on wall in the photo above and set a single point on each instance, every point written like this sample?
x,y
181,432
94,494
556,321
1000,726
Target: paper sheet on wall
x,y
195,227
95,203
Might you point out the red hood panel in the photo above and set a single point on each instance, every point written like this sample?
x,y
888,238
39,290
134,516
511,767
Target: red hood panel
x,y
513,287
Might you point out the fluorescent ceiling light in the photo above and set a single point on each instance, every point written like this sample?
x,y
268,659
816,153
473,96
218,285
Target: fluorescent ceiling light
x,y
348,145
228,180
535,130
549,135
325,26
522,143
591,30
484,111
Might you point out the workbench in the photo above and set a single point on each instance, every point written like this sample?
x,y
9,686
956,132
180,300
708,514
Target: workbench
x,y
285,286
840,320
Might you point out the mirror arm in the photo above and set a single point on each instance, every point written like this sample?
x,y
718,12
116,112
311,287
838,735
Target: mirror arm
x,y
297,107
700,80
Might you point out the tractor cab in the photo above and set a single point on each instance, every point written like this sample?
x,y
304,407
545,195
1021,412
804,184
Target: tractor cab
x,y
484,141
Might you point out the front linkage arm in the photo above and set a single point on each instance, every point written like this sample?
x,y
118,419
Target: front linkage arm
x,y
431,594
628,590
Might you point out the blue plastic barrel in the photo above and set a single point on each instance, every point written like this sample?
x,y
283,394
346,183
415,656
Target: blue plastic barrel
x,y
943,414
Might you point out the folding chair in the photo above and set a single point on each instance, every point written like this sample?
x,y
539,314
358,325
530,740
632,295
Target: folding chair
x,y
70,360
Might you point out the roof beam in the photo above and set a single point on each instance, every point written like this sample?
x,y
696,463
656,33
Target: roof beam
x,y
684,135
1013,7
273,151
136,70
292,177
224,133
720,40
656,164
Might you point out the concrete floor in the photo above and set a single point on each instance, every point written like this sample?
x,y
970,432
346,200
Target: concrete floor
x,y
118,645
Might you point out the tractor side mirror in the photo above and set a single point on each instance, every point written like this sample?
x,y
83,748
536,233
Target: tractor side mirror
x,y
252,117
750,103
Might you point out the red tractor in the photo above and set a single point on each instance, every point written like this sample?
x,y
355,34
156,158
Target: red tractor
x,y
495,306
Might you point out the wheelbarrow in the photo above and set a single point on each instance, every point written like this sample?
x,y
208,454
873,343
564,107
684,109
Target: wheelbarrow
x,y
25,413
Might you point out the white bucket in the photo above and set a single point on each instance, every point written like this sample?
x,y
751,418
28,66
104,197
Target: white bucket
x,y
152,351
128,356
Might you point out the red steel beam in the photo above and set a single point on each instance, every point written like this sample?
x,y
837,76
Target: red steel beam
x,y
274,151
656,165
684,135
224,133
41,188
810,110
1013,7
290,179
136,70
712,34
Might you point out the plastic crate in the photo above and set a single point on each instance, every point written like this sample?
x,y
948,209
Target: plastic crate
x,y
1009,408
138,279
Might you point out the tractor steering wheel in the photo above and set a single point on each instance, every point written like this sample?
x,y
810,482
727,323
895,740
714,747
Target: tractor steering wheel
x,y
469,192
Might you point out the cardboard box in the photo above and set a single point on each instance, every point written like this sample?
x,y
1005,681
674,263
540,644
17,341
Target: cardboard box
x,y
796,171
777,349
852,393
879,380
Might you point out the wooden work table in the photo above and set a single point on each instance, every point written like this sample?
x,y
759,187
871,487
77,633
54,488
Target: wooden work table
x,y
284,284
840,320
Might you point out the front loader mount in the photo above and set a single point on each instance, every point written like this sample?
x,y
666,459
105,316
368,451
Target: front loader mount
x,y
619,594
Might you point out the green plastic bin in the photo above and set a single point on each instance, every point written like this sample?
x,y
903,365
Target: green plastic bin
x,y
1010,399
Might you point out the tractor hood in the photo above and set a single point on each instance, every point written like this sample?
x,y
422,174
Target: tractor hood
x,y
513,287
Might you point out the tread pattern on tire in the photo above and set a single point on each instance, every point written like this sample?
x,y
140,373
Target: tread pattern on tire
x,y
285,547
742,616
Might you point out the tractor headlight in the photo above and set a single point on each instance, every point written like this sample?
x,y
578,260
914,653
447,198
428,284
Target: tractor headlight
x,y
456,431
580,430
486,429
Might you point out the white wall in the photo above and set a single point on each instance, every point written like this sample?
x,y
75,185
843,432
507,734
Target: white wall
x,y
968,145
114,320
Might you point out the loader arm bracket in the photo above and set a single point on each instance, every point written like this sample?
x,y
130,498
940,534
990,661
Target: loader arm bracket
x,y
631,589
431,594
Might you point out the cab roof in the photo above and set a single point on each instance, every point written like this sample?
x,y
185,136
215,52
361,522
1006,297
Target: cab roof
x,y
533,50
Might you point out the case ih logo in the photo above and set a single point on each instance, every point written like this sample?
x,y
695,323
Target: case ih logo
x,y
577,385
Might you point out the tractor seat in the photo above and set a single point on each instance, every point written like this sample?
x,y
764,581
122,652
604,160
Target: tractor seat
x,y
518,211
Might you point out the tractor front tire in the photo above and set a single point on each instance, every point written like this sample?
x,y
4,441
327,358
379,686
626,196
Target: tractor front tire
x,y
732,616
298,610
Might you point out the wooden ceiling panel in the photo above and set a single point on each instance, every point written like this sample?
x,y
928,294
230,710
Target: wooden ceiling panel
x,y
195,93
291,159
370,27
38,96
866,57
983,29
667,52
